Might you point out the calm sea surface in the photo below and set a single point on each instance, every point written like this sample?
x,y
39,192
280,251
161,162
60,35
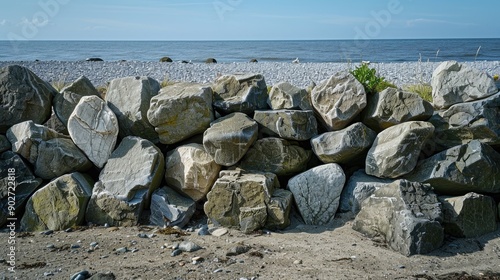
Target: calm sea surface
x,y
243,51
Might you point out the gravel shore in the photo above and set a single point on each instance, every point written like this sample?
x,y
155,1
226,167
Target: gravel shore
x,y
301,74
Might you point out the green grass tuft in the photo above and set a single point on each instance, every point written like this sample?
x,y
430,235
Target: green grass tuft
x,y
166,82
369,79
424,90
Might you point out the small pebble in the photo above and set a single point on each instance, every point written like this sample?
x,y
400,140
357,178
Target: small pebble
x,y
47,232
188,246
402,267
134,250
75,246
219,232
121,250
142,235
50,246
218,270
68,230
176,252
93,244
84,273
49,273
203,231
297,262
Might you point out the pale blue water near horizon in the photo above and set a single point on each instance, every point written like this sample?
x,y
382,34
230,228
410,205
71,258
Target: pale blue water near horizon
x,y
395,50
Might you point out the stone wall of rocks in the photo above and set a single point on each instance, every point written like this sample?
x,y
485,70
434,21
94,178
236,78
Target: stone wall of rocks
x,y
408,170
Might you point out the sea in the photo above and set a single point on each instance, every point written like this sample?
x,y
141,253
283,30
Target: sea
x,y
317,51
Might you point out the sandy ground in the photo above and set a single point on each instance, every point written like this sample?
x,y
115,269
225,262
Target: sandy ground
x,y
299,252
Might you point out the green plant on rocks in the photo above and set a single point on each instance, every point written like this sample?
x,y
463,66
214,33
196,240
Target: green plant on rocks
x,y
423,89
369,79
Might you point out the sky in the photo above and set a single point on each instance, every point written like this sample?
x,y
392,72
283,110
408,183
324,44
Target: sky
x,y
247,20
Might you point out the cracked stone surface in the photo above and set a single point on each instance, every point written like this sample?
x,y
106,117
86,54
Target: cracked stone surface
x,y
288,124
287,96
317,193
94,129
66,101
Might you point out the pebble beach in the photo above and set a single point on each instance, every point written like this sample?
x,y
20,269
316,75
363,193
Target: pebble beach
x,y
299,74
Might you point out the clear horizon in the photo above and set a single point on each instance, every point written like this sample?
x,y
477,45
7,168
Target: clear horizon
x,y
244,20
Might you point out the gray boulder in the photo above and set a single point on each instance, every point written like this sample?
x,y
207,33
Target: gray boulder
x,y
191,171
469,216
239,190
396,150
394,106
406,215
229,138
23,96
168,208
94,129
317,193
134,170
461,123
55,123
472,167
287,96
181,111
277,156
454,83
15,172
338,100
345,145
243,93
129,98
288,124
278,209
66,101
358,188
51,153
59,205
4,144
252,218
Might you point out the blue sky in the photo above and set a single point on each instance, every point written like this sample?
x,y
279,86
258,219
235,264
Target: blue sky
x,y
246,20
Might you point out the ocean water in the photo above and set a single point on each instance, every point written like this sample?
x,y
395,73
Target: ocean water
x,y
271,51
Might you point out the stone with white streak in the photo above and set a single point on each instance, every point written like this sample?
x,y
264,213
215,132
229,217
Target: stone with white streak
x,y
288,124
94,129
168,208
338,100
180,111
66,101
454,83
191,171
317,193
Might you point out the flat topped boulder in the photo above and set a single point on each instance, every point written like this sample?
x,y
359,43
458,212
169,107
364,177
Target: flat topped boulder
x,y
396,150
23,96
129,98
288,124
338,100
472,167
94,129
229,138
287,96
66,101
454,83
406,215
240,93
394,106
180,111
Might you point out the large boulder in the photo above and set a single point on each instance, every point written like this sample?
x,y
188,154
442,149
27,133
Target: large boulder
x,y
406,215
338,100
277,156
51,153
239,190
17,178
454,83
394,106
471,215
23,96
134,170
472,167
59,205
129,98
288,124
358,188
396,150
191,171
287,96
345,145
66,101
168,208
180,111
94,129
243,93
229,138
461,123
317,193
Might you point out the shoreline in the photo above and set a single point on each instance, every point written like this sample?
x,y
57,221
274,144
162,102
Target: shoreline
x,y
300,74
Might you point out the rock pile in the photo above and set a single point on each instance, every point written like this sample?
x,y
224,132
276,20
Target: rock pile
x,y
410,171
